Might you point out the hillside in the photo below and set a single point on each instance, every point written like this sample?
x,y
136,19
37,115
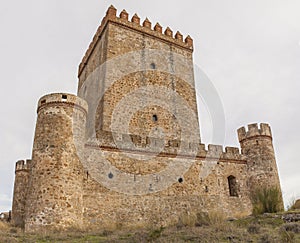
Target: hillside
x,y
283,227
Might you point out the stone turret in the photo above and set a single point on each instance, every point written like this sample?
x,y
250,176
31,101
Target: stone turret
x,y
257,146
54,198
22,172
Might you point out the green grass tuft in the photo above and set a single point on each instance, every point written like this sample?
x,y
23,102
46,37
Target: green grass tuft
x,y
266,200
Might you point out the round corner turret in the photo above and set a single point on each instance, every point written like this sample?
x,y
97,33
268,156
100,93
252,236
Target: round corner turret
x,y
62,98
59,136
22,174
253,131
257,146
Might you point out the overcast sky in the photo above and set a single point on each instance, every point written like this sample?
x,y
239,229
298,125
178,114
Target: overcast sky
x,y
250,51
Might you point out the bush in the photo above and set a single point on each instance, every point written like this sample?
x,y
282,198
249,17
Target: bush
x,y
211,218
202,219
4,226
287,236
294,205
253,229
155,234
266,200
293,227
186,219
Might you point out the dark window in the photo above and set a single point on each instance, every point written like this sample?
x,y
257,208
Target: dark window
x,y
110,175
154,118
233,186
43,102
180,180
153,66
64,97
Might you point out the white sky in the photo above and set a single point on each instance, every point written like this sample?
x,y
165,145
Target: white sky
x,y
250,50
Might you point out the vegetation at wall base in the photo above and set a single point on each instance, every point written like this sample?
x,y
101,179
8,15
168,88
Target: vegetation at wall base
x,y
203,227
266,200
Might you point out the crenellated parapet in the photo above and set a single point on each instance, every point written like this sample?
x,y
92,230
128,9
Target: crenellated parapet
x,y
23,165
254,131
230,153
135,23
63,99
172,148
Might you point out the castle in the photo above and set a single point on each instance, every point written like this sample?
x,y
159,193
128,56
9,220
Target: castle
x,y
127,150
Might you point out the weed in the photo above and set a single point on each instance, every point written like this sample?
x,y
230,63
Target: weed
x,y
253,229
266,200
286,236
155,234
187,219
292,227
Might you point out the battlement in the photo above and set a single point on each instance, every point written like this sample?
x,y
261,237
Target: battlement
x,y
230,153
173,148
63,98
135,24
254,130
23,165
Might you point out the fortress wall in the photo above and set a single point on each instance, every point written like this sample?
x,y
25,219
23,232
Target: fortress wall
x,y
204,188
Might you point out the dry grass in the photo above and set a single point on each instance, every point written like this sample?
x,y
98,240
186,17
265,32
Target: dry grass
x,y
191,228
4,227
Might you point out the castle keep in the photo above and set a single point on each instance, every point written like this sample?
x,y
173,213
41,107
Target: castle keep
x,y
127,150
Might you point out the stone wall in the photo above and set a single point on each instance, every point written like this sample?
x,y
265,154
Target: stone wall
x,y
203,187
127,61
22,173
54,199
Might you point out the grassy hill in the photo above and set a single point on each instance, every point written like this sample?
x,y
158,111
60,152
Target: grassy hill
x,y
205,228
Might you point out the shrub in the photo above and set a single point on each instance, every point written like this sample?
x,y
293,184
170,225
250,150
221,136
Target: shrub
x,y
4,226
294,205
156,233
293,227
211,218
187,219
202,219
253,229
265,239
287,236
266,200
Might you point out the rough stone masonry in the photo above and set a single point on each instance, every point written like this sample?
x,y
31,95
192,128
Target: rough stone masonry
x,y
126,151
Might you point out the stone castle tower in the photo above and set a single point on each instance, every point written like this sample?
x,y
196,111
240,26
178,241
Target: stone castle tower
x,y
126,150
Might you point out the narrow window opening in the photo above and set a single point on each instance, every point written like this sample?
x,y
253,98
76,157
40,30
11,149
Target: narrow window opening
x,y
153,66
64,97
206,188
150,187
43,102
154,118
110,175
180,180
233,186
